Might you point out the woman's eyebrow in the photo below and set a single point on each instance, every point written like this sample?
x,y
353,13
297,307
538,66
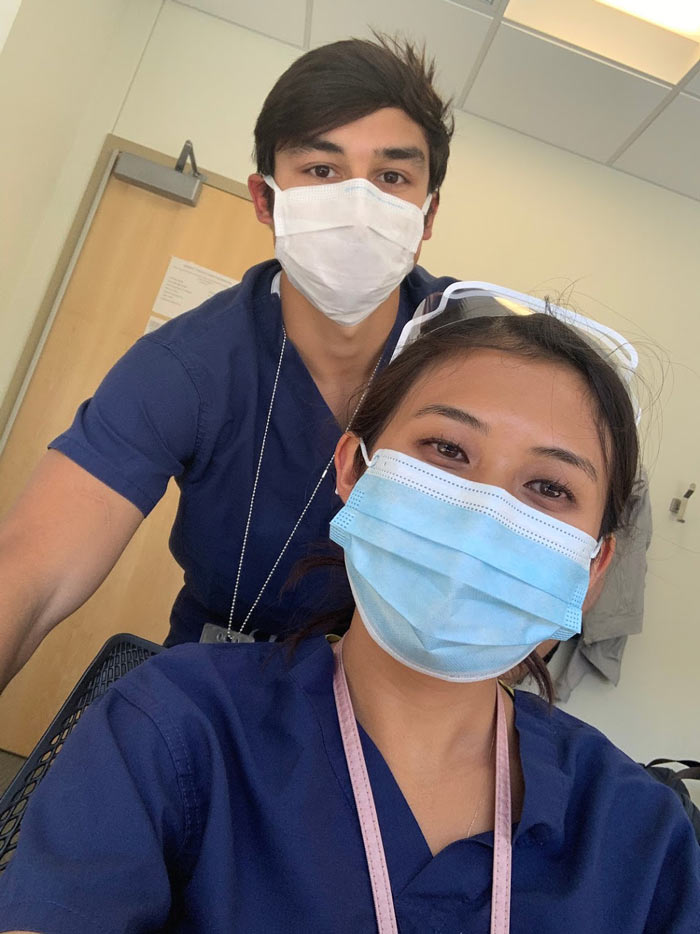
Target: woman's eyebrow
x,y
466,418
457,415
568,457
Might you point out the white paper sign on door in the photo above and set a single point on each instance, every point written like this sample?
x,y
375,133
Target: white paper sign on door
x,y
187,285
153,324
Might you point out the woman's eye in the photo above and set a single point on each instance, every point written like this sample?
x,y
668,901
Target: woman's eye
x,y
551,490
450,450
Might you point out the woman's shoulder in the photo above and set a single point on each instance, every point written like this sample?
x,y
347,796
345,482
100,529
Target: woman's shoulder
x,y
601,781
577,743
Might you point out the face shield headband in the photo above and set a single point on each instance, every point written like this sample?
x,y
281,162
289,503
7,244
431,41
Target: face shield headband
x,y
464,301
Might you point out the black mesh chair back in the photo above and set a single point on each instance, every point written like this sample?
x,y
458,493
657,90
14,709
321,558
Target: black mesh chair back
x,y
118,655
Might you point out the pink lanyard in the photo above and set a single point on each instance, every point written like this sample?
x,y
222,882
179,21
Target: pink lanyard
x,y
367,813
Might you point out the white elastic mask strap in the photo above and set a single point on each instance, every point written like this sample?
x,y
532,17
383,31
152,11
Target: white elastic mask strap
x,y
427,203
363,448
272,183
596,550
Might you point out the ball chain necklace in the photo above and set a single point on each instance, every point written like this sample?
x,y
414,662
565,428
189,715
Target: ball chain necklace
x,y
212,632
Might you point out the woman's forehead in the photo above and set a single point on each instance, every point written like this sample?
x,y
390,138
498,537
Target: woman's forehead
x,y
503,389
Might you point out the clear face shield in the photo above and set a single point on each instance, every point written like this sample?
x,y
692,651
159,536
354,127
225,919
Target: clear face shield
x,y
464,301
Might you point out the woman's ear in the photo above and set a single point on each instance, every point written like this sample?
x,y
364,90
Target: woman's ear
x,y
599,567
345,476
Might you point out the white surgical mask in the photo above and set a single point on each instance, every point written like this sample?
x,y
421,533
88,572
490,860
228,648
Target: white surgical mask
x,y
347,245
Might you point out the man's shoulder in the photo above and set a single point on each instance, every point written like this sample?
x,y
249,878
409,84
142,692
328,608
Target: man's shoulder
x,y
420,283
224,321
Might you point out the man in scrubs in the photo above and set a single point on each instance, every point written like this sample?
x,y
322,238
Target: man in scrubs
x,y
244,399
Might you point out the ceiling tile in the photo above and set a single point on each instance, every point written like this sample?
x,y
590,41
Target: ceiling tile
x,y
558,95
608,33
693,86
281,19
482,6
668,151
453,33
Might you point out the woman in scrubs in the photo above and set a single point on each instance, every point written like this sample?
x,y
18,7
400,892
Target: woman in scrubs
x,y
389,782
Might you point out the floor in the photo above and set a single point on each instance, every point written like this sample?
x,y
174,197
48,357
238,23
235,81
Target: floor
x,y
10,764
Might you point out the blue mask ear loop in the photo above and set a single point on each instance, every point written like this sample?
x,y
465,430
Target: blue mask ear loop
x,y
363,448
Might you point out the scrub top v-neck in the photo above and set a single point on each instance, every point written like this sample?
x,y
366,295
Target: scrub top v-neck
x,y
191,401
209,791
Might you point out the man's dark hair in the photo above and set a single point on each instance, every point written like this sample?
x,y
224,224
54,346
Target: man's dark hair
x,y
345,81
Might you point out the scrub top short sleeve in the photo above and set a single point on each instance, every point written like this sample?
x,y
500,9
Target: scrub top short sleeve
x,y
140,427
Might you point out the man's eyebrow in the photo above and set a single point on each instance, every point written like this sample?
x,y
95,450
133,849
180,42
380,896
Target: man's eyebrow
x,y
568,457
457,415
401,153
314,144
393,153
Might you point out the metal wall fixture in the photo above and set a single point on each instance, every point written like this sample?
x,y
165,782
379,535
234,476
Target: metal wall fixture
x,y
173,183
679,504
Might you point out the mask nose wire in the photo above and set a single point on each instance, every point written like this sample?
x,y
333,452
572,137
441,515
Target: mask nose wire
x,y
371,462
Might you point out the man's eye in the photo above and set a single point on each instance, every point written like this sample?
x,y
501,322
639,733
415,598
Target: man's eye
x,y
321,171
392,178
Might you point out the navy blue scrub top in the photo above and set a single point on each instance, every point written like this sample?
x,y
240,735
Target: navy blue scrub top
x,y
208,791
190,401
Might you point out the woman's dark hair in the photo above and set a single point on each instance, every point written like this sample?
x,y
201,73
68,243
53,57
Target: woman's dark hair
x,y
344,81
537,337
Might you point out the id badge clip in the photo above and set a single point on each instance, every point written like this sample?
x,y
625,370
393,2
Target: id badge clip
x,y
213,633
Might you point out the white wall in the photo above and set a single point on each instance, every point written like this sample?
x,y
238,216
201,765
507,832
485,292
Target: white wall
x,y
64,72
205,80
513,211
533,217
8,11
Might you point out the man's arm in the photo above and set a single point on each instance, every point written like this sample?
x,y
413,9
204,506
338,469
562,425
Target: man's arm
x,y
57,544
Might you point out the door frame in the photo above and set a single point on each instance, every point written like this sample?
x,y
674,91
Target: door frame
x,y
68,257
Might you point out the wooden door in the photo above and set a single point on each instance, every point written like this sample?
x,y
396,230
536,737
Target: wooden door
x,y
105,309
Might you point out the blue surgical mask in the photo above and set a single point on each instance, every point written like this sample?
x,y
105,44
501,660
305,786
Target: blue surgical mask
x,y
458,580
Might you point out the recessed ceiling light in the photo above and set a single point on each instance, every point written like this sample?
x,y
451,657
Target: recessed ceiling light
x,y
681,16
